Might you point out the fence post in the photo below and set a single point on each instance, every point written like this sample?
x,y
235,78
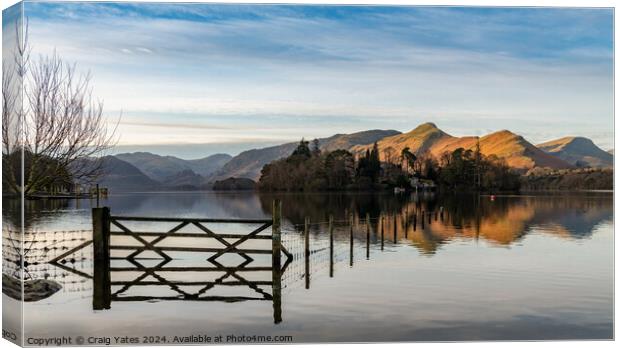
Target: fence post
x,y
406,222
422,220
367,236
276,268
351,240
97,195
395,231
331,246
101,258
382,232
307,250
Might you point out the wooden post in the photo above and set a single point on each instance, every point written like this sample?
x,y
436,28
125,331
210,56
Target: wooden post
x,y
382,231
97,195
406,222
429,217
331,246
422,220
307,251
415,222
395,231
441,213
102,294
367,236
276,267
351,240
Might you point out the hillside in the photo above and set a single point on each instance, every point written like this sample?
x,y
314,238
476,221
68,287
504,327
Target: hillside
x,y
208,165
121,176
578,151
160,168
248,164
419,140
568,179
184,180
518,152
347,141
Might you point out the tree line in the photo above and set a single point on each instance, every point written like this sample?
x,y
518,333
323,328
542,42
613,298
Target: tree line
x,y
310,169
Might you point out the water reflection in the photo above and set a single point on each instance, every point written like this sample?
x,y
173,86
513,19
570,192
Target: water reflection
x,y
498,220
371,234
502,221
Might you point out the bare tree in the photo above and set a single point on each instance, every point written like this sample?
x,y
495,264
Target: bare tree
x,y
389,155
409,158
59,129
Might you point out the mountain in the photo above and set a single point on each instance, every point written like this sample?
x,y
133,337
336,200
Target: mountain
x,y
419,140
578,151
518,152
173,172
161,168
611,151
184,180
248,164
208,165
347,141
119,175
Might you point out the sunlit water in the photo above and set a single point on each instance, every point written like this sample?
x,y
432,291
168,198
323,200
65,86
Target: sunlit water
x,y
512,268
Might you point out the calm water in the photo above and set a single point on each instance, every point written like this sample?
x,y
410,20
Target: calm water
x,y
513,268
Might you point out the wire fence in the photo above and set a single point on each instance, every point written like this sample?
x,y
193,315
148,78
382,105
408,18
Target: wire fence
x,y
319,258
31,255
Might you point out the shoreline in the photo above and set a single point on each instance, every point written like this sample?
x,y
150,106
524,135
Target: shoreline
x,y
378,192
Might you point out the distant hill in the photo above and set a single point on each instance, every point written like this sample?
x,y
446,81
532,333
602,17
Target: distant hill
x,y
248,164
419,140
578,151
184,180
518,152
143,170
347,141
208,165
161,168
119,175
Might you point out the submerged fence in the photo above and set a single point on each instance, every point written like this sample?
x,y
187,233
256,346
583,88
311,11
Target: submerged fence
x,y
227,243
312,249
28,255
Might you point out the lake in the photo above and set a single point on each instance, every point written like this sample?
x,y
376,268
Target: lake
x,y
523,267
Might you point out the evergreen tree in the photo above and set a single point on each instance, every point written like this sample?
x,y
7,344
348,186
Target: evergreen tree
x,y
302,150
315,147
374,164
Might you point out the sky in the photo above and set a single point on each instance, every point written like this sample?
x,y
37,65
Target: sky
x,y
194,79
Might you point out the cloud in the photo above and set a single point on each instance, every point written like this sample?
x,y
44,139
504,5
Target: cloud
x,y
144,50
174,125
351,68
